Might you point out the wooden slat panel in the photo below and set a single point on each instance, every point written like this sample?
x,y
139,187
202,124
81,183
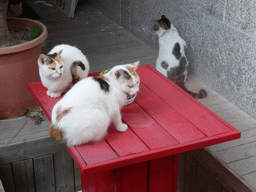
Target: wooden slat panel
x,y
15,153
106,181
44,174
166,116
244,166
181,172
64,173
190,174
214,185
24,176
125,143
204,120
202,178
134,178
6,176
218,171
151,133
77,176
251,179
161,174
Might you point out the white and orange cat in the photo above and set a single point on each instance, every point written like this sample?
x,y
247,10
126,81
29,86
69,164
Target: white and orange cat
x,y
62,67
85,112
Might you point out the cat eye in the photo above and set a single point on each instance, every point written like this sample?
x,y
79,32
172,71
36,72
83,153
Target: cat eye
x,y
130,86
61,67
53,68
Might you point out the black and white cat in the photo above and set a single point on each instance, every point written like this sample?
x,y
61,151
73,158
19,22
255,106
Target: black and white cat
x,y
83,115
59,69
172,61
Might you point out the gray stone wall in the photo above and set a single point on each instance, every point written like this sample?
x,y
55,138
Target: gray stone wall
x,y
220,34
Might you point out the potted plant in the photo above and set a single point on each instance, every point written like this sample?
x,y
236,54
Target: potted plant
x,y
18,63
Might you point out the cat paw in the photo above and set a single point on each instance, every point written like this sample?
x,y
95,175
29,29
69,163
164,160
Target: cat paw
x,y
122,128
52,94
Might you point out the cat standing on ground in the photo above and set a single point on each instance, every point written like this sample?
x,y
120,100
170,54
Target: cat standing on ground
x,y
172,61
62,67
85,112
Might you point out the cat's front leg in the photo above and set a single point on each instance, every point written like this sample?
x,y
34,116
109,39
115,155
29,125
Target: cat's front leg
x,y
117,121
53,94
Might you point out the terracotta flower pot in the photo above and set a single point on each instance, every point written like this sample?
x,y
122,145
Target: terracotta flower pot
x,y
18,66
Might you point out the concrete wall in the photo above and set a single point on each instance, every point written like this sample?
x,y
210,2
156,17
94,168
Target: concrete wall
x,y
221,37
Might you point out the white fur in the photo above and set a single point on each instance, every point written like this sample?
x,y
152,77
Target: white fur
x,y
167,40
92,109
58,81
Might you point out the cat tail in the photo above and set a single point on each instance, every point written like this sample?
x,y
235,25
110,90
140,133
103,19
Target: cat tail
x,y
55,131
73,69
181,83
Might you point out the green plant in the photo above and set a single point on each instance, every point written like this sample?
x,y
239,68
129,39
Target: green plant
x,y
35,32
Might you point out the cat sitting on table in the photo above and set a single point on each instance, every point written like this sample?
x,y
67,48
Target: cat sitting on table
x,y
85,112
62,67
172,61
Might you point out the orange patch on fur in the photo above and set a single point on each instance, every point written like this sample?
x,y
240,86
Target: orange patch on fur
x,y
162,25
75,76
103,77
56,133
61,114
132,70
55,60
52,65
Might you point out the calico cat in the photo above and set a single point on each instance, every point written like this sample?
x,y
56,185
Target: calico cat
x,y
14,9
59,69
172,61
85,112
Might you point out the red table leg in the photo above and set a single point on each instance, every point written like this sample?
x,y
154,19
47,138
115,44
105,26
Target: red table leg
x,y
157,175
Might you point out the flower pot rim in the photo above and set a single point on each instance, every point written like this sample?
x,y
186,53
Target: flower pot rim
x,y
27,45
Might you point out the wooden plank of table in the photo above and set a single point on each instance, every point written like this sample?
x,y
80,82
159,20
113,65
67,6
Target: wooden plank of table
x,y
94,153
125,143
174,123
205,120
148,130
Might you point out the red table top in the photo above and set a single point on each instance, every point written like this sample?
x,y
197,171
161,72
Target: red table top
x,y
163,121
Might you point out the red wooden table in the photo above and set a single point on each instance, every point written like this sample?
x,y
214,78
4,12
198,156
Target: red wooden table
x,y
163,122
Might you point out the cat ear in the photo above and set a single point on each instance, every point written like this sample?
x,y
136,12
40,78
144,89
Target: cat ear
x,y
119,73
163,17
60,52
135,64
166,22
122,73
43,59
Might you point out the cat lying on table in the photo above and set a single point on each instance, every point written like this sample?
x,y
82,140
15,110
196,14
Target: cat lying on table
x,y
85,112
59,69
